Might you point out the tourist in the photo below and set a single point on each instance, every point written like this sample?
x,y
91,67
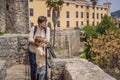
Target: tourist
x,y
40,30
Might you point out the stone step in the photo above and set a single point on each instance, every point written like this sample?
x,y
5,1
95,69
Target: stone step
x,y
2,70
18,72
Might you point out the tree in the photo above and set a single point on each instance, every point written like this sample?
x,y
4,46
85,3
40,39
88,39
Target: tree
x,y
94,2
55,6
105,24
94,31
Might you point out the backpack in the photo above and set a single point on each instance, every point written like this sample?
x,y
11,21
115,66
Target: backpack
x,y
35,30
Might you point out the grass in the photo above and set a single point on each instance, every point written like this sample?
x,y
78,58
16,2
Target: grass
x,y
59,49
1,33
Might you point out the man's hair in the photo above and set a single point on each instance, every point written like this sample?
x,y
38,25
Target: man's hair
x,y
41,19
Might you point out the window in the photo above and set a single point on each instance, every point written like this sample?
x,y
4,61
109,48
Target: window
x,y
31,0
31,12
81,14
67,4
76,14
31,24
76,6
77,24
58,24
87,22
93,15
87,7
97,23
97,15
81,6
93,23
68,24
97,8
105,9
49,25
48,13
67,14
81,22
101,15
87,15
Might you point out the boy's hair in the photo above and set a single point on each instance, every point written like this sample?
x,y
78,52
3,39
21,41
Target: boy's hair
x,y
41,19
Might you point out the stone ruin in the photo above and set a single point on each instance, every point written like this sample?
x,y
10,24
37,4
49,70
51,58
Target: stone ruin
x,y
15,19
14,16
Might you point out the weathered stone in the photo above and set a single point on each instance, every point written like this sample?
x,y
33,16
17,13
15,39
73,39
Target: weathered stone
x,y
17,16
57,67
13,48
77,69
2,70
70,40
62,53
18,72
2,15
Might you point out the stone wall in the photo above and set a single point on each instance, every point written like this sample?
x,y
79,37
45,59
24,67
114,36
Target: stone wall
x,y
70,40
77,69
14,16
17,16
2,70
2,15
13,48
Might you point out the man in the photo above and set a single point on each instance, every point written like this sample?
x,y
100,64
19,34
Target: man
x,y
42,31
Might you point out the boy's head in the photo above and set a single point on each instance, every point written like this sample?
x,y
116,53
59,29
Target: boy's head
x,y
39,42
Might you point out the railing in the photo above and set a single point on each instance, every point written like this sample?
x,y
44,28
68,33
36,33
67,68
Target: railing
x,y
49,50
49,53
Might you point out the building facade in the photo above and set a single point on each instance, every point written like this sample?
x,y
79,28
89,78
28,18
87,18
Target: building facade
x,y
116,21
74,13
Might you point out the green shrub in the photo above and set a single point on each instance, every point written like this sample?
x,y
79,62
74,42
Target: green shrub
x,y
90,31
105,24
1,33
103,45
59,49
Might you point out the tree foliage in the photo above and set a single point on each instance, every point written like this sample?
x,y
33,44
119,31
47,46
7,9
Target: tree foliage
x,y
105,24
55,6
105,49
103,45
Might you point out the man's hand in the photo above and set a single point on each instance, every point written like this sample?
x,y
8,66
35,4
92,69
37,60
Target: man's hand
x,y
31,43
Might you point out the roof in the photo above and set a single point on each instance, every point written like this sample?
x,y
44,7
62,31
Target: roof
x,y
83,2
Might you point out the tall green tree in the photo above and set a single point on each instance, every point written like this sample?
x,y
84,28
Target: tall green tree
x,y
105,24
94,2
55,6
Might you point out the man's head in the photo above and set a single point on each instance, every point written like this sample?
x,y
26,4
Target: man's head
x,y
42,21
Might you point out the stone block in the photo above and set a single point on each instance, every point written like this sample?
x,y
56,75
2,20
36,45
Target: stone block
x,y
2,70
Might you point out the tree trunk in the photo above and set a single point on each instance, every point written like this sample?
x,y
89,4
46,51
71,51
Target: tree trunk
x,y
94,15
54,20
54,35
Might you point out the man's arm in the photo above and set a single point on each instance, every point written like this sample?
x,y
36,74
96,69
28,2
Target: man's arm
x,y
31,39
47,39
